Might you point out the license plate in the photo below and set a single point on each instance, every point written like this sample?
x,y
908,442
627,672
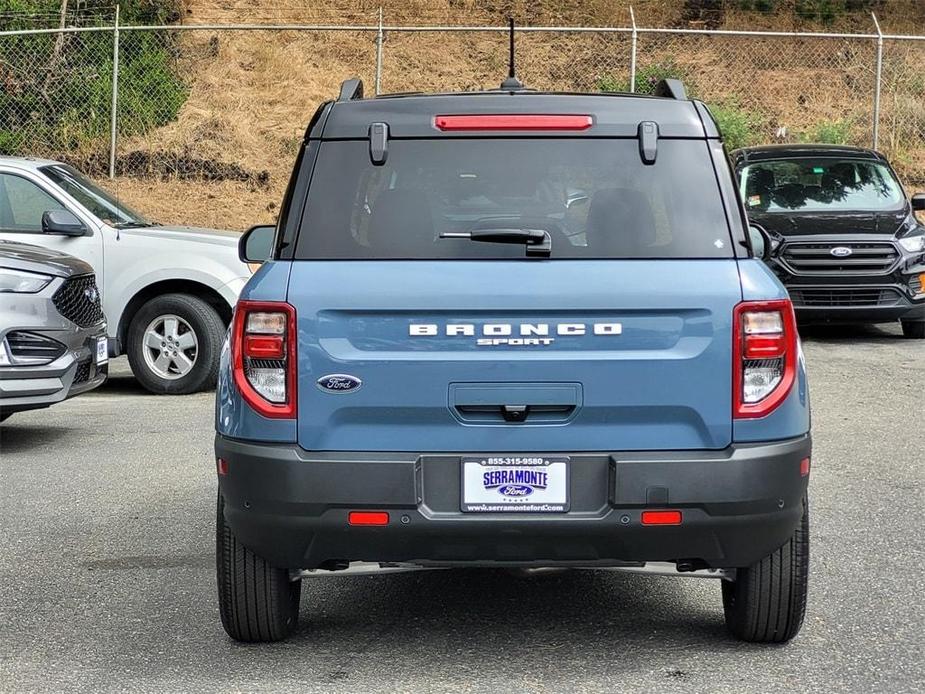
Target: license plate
x,y
526,484
102,350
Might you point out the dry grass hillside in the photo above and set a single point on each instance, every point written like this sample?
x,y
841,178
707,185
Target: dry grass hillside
x,y
226,159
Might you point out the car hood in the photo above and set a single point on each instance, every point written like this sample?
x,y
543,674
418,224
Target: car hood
x,y
845,223
24,256
217,237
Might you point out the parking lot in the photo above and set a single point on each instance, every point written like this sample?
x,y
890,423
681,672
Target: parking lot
x,y
107,569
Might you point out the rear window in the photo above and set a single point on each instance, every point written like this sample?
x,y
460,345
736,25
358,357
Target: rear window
x,y
826,184
594,197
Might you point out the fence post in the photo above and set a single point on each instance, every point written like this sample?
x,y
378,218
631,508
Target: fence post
x,y
379,39
877,82
635,35
115,96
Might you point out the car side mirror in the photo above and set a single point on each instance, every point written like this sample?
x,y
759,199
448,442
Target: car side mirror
x,y
256,244
63,223
760,242
918,202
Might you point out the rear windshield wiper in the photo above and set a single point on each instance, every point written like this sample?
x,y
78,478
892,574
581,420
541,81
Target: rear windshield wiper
x,y
537,241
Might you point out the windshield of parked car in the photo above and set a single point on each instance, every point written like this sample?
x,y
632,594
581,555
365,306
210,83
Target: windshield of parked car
x,y
825,184
100,203
594,198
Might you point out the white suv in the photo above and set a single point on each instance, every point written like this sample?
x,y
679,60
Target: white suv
x,y
168,292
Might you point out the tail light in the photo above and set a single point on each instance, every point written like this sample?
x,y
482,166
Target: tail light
x,y
764,356
263,350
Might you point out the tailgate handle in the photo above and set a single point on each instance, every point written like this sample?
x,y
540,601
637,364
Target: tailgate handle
x,y
515,403
515,414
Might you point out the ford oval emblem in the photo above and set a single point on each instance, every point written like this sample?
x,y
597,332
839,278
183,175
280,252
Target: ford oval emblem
x,y
841,251
515,490
339,383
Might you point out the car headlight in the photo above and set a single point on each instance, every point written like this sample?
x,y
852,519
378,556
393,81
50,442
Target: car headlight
x,y
22,282
915,243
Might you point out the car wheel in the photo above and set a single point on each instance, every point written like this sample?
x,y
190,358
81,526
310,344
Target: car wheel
x,y
767,601
914,329
257,602
173,344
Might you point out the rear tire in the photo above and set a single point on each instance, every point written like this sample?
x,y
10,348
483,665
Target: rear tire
x,y
767,601
914,329
257,602
173,344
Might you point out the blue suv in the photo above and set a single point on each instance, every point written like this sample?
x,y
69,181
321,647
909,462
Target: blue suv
x,y
512,329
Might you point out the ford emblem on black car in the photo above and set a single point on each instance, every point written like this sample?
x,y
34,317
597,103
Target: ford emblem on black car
x,y
841,251
339,383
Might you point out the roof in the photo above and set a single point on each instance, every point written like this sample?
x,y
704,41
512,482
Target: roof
x,y
614,115
30,163
769,152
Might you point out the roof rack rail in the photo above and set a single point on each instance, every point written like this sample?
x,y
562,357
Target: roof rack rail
x,y
351,89
672,88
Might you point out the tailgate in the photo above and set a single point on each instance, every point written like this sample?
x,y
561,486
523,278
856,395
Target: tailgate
x,y
595,355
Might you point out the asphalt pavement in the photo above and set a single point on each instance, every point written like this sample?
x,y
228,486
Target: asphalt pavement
x,y
107,578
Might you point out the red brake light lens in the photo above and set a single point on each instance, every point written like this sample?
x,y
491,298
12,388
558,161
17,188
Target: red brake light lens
x,y
513,122
764,346
263,351
764,356
264,346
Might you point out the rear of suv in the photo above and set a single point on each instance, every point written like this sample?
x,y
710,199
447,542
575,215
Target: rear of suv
x,y
512,329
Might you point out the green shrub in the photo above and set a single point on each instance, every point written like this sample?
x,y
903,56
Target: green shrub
x,y
837,132
739,126
57,89
647,77
767,6
827,11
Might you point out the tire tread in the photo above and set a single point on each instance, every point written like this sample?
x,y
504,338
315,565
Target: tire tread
x,y
767,601
204,373
257,601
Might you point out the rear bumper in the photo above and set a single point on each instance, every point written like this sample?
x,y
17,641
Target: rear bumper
x,y
290,506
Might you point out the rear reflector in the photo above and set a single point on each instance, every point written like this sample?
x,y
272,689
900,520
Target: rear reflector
x,y
368,518
661,518
804,467
222,466
513,122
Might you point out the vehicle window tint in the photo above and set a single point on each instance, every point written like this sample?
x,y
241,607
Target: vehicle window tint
x,y
819,185
100,203
22,203
595,198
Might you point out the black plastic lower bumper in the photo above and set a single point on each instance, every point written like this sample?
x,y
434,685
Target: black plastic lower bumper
x,y
291,507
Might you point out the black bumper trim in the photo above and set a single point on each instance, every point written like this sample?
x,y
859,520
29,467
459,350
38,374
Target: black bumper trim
x,y
290,506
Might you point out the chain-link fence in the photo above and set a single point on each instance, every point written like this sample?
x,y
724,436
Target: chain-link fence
x,y
230,102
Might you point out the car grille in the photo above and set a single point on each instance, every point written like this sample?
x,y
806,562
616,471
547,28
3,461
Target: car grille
x,y
817,258
82,375
33,349
844,297
78,300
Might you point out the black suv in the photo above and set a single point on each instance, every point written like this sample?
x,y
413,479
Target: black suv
x,y
845,240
